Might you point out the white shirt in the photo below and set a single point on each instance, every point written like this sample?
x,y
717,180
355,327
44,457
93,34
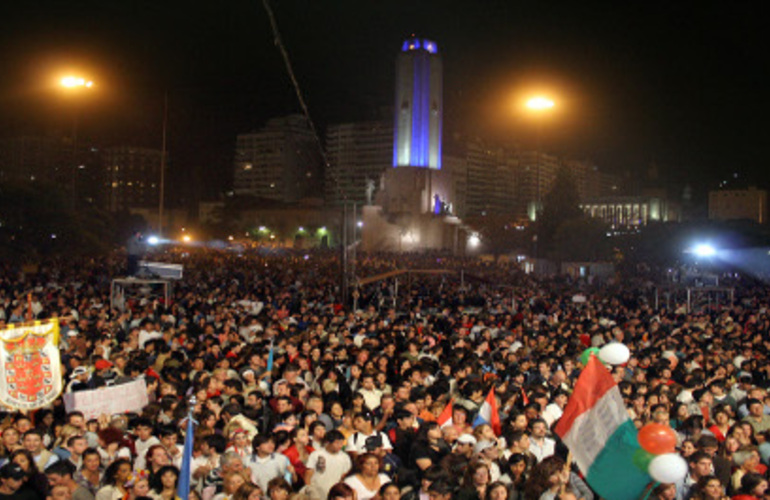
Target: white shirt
x,y
357,442
328,470
145,336
542,451
362,493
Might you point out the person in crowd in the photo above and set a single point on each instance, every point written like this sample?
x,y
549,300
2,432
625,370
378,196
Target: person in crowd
x,y
367,479
116,476
328,465
13,486
708,488
61,473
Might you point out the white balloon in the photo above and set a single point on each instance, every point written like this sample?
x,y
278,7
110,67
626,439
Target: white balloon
x,y
614,353
668,468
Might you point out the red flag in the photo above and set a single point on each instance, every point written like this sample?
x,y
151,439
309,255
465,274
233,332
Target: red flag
x,y
445,418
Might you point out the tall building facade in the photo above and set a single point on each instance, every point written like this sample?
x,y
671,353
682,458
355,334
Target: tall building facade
x,y
490,182
419,108
132,177
31,158
280,162
358,154
732,204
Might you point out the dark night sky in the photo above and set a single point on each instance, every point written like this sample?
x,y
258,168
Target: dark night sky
x,y
678,83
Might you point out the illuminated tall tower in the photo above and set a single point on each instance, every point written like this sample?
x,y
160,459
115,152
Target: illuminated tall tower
x,y
418,105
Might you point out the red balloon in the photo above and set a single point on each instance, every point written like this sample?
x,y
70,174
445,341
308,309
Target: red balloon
x,y
657,439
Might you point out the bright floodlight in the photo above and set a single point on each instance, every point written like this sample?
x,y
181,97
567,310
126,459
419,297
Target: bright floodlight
x,y
75,81
704,250
187,238
540,103
474,240
153,240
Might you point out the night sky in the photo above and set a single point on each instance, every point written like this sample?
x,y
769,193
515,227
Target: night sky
x,y
676,83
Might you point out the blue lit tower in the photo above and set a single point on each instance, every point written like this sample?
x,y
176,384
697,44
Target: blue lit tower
x,y
418,105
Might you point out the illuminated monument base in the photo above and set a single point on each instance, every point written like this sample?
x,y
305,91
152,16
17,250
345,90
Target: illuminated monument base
x,y
413,213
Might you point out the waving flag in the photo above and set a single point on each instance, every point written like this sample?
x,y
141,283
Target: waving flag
x,y
445,419
30,367
597,430
488,413
270,358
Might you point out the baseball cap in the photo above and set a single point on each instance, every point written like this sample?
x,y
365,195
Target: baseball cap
x,y
483,445
466,439
80,370
102,364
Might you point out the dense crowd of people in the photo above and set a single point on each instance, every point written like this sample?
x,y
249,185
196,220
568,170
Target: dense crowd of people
x,y
350,407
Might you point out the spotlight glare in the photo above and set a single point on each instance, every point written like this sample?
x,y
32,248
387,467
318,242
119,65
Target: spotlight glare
x,y
704,250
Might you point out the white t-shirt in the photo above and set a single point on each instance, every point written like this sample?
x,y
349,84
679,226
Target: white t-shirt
x,y
141,448
328,470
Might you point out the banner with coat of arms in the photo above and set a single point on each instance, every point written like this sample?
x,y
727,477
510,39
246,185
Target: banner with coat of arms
x,y
30,367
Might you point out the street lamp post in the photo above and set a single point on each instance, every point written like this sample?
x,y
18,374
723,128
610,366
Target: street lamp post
x,y
161,193
75,83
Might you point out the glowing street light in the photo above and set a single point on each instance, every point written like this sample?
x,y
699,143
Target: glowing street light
x,y
187,238
540,103
75,81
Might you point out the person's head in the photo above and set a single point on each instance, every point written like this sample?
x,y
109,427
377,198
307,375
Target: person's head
x,y
118,472
341,491
278,489
753,484
755,407
477,474
11,438
539,428
440,490
664,491
92,461
33,441
230,461
368,464
156,457
12,476
143,428
389,491
547,474
60,492
139,484
364,422
687,448
708,444
77,445
263,444
60,472
233,480
747,458
165,479
24,459
248,491
710,488
517,464
334,441
700,464
497,491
